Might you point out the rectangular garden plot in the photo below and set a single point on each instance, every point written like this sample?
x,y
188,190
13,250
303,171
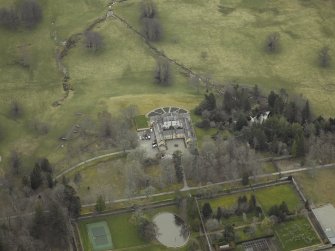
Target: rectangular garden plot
x,y
141,121
297,233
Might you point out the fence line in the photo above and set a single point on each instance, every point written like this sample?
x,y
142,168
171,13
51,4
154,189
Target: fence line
x,y
203,226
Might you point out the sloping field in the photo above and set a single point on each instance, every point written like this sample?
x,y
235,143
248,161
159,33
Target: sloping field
x,y
222,39
124,66
225,40
38,86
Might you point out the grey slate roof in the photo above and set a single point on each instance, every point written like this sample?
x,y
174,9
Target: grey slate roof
x,y
326,217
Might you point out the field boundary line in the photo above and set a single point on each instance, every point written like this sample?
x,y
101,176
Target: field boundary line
x,y
89,161
205,80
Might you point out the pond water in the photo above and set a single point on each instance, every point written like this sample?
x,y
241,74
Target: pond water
x,y
171,230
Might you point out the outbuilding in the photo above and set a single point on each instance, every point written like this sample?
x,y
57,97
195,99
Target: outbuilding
x,y
326,218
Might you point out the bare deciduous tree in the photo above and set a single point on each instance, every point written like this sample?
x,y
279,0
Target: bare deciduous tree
x,y
191,166
15,109
93,40
152,29
9,18
322,149
221,160
15,161
324,57
77,178
135,178
148,9
162,72
272,42
129,113
30,13
107,129
137,154
126,138
167,172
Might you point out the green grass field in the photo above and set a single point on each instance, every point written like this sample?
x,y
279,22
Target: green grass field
x,y
295,234
242,236
39,86
111,79
318,186
228,45
124,233
266,197
141,121
225,201
268,167
106,177
276,195
202,133
223,39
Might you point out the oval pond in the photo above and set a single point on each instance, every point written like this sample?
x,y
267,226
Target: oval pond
x,y
171,230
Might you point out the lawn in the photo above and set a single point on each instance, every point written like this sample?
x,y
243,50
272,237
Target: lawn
x,y
227,201
266,197
276,195
225,46
141,121
318,186
202,133
242,235
105,177
230,201
124,233
297,233
268,167
107,80
148,102
108,177
38,86
229,45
